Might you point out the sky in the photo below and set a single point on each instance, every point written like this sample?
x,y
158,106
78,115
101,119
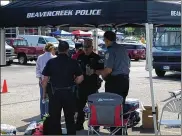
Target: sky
x,y
4,2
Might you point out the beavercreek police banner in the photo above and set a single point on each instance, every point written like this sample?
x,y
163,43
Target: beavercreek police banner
x,y
82,12
92,12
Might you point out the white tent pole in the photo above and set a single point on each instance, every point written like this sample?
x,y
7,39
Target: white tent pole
x,y
39,30
2,47
181,65
149,39
95,40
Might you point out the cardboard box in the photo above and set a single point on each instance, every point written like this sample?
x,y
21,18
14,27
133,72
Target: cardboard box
x,y
147,117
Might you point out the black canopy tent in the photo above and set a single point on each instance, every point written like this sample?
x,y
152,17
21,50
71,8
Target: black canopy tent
x,y
96,13
73,13
85,12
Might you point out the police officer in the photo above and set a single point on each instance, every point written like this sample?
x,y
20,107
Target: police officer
x,y
63,72
90,62
117,67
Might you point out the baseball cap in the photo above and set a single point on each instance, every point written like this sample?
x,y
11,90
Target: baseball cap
x,y
87,43
87,46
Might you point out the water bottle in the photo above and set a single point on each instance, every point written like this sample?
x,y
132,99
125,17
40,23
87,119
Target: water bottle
x,y
87,70
45,100
86,109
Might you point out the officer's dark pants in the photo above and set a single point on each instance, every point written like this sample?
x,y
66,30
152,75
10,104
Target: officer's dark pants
x,y
119,85
63,99
83,94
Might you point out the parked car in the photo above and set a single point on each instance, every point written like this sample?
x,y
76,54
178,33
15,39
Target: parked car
x,y
24,52
39,40
10,54
136,51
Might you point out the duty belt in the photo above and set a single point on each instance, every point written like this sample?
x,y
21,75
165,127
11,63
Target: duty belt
x,y
70,88
63,88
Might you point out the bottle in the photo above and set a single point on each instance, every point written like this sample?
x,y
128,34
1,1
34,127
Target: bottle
x,y
87,69
86,109
45,100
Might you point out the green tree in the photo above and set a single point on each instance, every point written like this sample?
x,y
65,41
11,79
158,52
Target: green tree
x,y
130,30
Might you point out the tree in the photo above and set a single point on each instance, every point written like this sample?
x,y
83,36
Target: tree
x,y
130,30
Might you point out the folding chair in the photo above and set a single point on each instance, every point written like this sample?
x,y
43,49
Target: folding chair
x,y
106,109
172,106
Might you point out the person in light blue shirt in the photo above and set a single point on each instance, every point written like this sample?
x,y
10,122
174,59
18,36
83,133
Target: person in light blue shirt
x,y
116,68
41,63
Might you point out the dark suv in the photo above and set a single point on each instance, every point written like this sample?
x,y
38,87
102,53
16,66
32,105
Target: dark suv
x,y
136,51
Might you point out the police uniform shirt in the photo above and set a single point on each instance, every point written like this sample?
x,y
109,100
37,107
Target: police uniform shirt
x,y
62,71
117,59
95,62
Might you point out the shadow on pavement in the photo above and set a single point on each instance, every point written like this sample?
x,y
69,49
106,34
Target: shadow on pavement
x,y
28,64
35,118
171,77
18,102
141,130
22,128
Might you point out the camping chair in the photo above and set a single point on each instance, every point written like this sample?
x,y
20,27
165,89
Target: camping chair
x,y
106,109
172,106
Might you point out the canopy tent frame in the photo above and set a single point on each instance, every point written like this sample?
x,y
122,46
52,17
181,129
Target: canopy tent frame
x,y
149,19
3,49
181,67
149,33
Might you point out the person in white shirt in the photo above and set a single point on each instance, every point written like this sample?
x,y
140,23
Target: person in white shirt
x,y
41,63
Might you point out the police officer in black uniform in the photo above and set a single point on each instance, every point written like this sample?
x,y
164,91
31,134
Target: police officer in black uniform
x,y
90,62
117,67
63,72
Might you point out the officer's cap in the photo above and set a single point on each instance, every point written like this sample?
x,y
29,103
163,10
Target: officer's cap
x,y
63,46
87,43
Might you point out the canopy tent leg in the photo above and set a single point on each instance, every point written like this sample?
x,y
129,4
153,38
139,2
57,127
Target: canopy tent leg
x,y
181,67
39,30
3,49
17,31
95,40
149,39
57,28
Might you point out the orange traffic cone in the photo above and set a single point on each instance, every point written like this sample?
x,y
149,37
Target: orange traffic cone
x,y
5,87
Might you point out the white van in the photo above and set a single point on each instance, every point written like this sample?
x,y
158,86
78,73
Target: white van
x,y
39,40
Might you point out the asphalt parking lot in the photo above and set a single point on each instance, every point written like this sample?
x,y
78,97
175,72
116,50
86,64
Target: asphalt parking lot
x,y
21,104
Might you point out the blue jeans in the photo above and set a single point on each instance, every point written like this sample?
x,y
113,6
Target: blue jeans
x,y
43,106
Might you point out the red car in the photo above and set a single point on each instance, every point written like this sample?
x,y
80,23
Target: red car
x,y
23,51
136,51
